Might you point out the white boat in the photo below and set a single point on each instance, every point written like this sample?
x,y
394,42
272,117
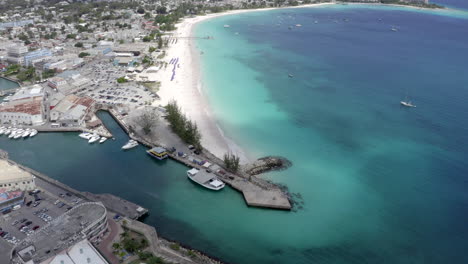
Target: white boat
x,y
130,144
93,139
205,179
102,140
7,131
394,29
33,133
2,130
25,133
407,104
298,25
18,134
227,26
85,135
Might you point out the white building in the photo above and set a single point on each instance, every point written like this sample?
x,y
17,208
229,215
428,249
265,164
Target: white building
x,y
56,82
14,178
29,113
82,252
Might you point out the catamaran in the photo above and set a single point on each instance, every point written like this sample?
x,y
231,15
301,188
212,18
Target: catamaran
x,y
205,179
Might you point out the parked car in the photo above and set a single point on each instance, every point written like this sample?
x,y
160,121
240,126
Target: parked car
x,y
35,227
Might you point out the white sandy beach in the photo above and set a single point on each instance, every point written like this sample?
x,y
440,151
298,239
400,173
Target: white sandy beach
x,y
187,89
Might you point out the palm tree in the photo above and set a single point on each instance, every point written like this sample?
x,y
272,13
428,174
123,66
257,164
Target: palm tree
x,y
116,246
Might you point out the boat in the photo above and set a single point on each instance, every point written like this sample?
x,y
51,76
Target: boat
x,y
7,131
130,144
407,104
227,26
205,179
25,133
2,130
158,153
394,29
12,134
33,133
18,133
93,139
298,25
102,140
290,75
85,135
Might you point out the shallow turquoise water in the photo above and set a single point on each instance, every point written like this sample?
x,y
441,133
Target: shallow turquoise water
x,y
381,184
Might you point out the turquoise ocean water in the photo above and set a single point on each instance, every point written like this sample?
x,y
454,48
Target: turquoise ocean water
x,y
7,84
380,183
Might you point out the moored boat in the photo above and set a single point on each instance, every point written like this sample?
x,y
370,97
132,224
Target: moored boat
x,y
205,179
407,104
130,144
33,133
85,135
102,140
158,153
93,139
26,133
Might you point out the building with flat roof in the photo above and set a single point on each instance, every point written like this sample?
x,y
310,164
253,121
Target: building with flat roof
x,y
14,178
30,113
71,110
36,56
29,93
82,252
84,221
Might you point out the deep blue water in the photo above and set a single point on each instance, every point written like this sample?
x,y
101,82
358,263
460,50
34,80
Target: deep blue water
x,y
381,183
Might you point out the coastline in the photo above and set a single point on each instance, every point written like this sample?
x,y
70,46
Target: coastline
x,y
187,88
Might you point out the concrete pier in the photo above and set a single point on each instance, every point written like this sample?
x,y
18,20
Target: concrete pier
x,y
256,192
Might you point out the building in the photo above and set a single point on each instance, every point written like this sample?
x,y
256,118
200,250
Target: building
x,y
29,93
62,238
29,113
10,199
14,178
71,111
56,82
80,253
15,53
36,56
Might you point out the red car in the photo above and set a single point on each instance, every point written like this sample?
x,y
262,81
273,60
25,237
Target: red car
x,y
35,227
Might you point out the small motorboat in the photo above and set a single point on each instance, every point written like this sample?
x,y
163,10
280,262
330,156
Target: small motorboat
x,y
102,140
407,104
93,139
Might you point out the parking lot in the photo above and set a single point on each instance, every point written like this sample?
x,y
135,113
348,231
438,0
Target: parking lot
x,y
37,210
105,88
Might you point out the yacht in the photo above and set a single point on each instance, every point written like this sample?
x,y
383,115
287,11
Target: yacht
x,y
2,130
102,140
26,133
227,26
33,133
94,138
407,104
12,134
85,135
130,144
18,133
205,179
7,131
298,25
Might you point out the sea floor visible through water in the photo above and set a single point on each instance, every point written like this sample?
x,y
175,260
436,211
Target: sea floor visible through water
x,y
381,183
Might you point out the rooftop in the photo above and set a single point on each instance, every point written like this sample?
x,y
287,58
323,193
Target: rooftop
x,y
61,233
81,252
9,172
30,107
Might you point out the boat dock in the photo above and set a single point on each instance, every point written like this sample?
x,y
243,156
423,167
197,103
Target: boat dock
x,y
256,191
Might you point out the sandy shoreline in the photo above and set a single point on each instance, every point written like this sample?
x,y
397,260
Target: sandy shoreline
x,y
187,87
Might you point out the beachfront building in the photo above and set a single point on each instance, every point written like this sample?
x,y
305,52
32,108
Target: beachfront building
x,y
13,178
71,111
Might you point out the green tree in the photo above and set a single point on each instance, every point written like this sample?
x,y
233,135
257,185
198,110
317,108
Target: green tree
x,y
231,162
83,54
79,45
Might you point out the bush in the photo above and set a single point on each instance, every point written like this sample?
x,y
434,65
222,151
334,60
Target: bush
x,y
83,54
174,246
79,45
186,129
121,80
